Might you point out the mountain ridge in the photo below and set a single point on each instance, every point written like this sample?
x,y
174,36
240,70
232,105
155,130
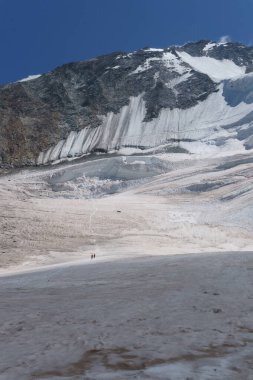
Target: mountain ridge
x,y
118,100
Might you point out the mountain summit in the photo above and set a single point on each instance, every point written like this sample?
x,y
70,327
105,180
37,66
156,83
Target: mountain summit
x,y
182,98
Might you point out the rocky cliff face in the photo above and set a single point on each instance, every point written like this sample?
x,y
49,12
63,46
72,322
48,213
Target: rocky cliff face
x,y
200,92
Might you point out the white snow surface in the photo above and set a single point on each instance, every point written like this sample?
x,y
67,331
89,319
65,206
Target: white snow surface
x,y
30,77
209,46
168,59
171,61
217,70
153,49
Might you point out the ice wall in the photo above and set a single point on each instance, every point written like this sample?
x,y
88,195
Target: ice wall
x,y
127,128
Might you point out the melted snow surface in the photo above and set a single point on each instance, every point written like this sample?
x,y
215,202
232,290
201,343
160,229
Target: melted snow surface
x,y
160,318
169,295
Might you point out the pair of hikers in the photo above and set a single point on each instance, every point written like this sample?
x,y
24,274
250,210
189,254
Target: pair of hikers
x,y
93,256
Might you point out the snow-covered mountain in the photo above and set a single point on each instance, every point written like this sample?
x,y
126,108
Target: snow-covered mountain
x,y
191,98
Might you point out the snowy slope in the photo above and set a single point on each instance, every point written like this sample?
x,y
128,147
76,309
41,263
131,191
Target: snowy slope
x,y
215,69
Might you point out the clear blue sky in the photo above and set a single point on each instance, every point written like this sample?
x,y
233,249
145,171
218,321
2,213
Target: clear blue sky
x,y
38,35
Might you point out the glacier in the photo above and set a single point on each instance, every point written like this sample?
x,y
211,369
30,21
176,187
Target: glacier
x,y
203,122
214,119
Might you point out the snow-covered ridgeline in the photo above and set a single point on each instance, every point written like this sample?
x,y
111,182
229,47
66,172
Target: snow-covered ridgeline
x,y
30,77
127,127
